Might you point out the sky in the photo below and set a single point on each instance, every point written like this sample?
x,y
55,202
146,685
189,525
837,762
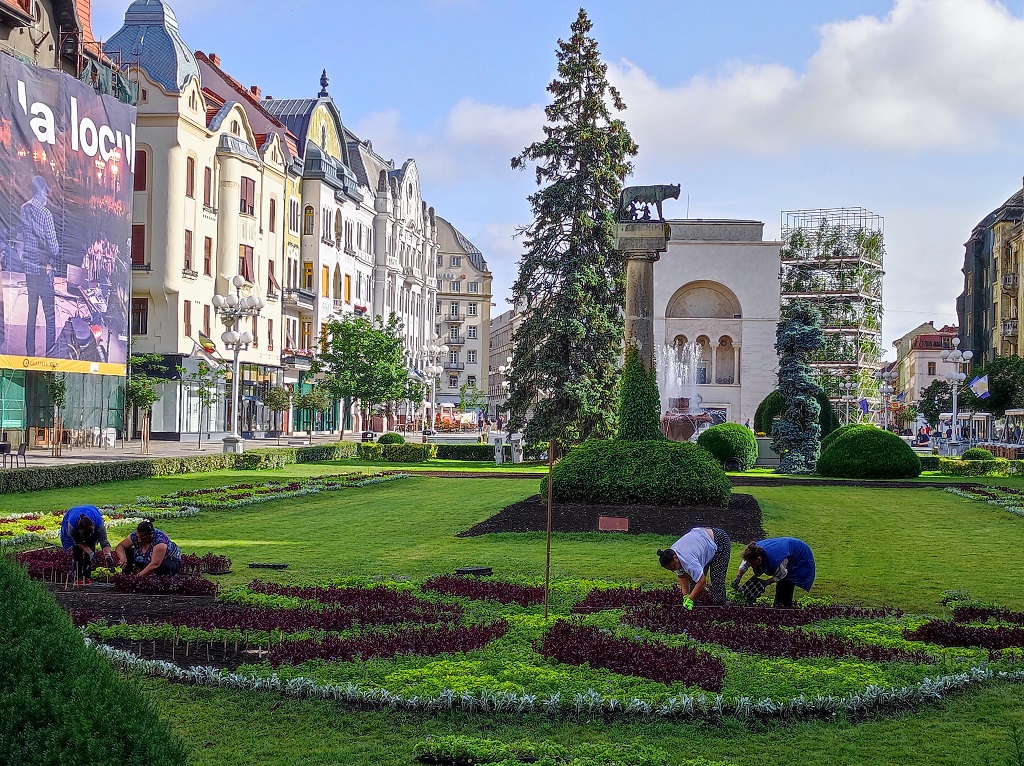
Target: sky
x,y
909,108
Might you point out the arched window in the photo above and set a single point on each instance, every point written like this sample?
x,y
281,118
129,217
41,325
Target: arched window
x,y
308,221
679,341
190,177
272,225
704,360
726,372
141,161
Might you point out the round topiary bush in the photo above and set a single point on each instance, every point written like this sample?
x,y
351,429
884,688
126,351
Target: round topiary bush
x,y
391,438
654,472
869,453
829,440
976,453
773,405
733,445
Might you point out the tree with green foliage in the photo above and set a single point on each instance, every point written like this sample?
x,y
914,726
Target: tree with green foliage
x,y
571,279
471,398
315,401
1005,386
277,399
796,435
363,359
204,381
639,401
733,445
140,390
935,399
57,392
771,407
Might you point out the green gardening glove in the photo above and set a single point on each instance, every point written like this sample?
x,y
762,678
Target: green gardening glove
x,y
687,603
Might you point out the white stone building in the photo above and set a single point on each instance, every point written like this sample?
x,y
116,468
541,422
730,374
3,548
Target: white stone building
x,y
919,359
717,286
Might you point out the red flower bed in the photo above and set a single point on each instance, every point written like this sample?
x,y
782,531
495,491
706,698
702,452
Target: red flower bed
x,y
208,564
35,528
372,606
984,614
576,644
767,641
45,562
422,641
483,590
180,585
954,634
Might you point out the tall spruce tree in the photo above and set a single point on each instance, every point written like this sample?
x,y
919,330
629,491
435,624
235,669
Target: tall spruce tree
x,y
571,279
797,435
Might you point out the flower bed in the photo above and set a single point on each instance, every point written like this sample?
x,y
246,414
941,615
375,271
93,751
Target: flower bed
x,y
485,590
33,528
373,606
181,585
577,644
946,633
984,614
51,563
1011,500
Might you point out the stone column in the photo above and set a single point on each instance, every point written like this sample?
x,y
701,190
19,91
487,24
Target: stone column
x,y
641,242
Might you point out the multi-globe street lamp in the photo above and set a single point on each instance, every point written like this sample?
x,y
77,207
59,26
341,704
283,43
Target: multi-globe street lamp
x,y
847,396
955,378
231,308
886,390
503,370
432,353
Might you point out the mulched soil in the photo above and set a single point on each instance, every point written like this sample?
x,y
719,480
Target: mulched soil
x,y
742,519
118,606
213,654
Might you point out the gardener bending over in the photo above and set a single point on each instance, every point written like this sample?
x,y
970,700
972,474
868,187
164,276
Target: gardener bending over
x,y
148,551
788,560
701,552
81,529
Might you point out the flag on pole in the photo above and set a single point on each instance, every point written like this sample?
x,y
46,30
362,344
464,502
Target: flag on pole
x,y
900,396
206,343
206,349
980,387
864,406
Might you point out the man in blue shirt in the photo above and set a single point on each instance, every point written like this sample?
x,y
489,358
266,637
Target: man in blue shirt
x,y
81,529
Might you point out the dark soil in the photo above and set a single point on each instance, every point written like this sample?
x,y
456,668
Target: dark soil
x,y
213,654
116,607
742,519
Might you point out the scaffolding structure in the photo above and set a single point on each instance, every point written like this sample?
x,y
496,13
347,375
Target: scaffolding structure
x,y
833,258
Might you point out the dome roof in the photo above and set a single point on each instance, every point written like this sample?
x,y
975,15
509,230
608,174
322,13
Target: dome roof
x,y
150,39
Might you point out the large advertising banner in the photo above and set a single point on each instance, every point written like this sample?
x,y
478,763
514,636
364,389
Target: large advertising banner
x,y
67,158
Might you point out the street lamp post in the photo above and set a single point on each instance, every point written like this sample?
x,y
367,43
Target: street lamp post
x,y
503,370
847,397
955,378
231,308
433,353
886,390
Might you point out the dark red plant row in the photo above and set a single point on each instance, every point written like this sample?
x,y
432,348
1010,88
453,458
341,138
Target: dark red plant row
x,y
984,614
955,634
211,563
767,641
180,585
45,562
372,605
422,641
576,644
484,590
626,597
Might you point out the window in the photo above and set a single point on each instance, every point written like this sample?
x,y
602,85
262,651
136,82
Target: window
x,y
454,287
359,285
138,244
245,266
270,335
474,287
307,276
188,249
471,332
208,187
293,216
186,317
140,169
472,309
144,95
309,222
453,381
272,223
348,288
437,308
440,260
456,260
453,334
255,333
307,335
453,357
454,310
471,381
471,356
206,320
273,286
247,200
325,281
207,256
190,177
931,368
235,127
140,316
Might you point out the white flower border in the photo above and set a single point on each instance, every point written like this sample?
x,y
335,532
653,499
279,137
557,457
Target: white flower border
x,y
31,538
702,706
1014,506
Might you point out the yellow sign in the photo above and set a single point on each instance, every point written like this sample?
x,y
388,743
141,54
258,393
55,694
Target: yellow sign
x,y
42,364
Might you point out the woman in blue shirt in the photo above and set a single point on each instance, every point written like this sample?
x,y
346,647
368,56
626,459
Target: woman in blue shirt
x,y
787,560
148,551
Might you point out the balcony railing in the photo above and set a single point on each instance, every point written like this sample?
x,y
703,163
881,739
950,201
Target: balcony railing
x,y
141,267
189,273
296,296
1010,281
455,318
339,305
1009,327
456,340
454,366
349,249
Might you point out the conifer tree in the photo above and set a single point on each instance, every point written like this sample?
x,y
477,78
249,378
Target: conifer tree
x,y
797,435
571,280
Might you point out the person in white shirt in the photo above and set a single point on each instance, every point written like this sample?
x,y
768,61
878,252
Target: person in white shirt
x,y
699,555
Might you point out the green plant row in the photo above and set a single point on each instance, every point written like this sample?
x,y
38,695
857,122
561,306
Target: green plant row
x,y
397,453
929,462
83,474
458,749
998,466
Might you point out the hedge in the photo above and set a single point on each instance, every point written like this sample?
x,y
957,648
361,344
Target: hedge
x,y
828,441
929,462
397,453
976,453
998,466
773,405
482,452
84,474
62,702
869,453
391,438
730,442
655,472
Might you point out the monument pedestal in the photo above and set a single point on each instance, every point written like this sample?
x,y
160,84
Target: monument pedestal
x,y
641,243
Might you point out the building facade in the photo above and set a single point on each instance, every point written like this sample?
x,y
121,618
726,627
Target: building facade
x,y
919,359
503,328
716,303
462,314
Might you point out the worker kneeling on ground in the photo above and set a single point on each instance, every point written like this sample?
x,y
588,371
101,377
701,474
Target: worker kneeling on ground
x,y
81,530
148,551
787,560
699,555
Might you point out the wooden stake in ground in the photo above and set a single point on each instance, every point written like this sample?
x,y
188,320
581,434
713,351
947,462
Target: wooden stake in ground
x,y
547,554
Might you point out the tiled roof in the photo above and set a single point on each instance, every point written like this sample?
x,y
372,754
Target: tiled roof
x,y
150,39
294,113
467,247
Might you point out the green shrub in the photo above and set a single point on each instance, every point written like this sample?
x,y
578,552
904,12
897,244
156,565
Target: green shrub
x,y
976,453
391,438
318,453
397,453
869,453
656,472
929,462
264,458
62,702
639,401
951,466
371,451
829,440
730,442
773,405
481,452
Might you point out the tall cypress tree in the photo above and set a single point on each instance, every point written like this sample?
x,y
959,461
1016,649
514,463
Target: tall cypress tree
x,y
571,279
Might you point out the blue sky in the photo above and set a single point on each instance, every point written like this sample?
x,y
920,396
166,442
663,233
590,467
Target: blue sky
x,y
910,108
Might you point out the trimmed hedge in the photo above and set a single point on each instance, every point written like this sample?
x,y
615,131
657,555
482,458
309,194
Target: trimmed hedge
x,y
730,442
83,474
639,403
62,702
481,452
391,438
929,462
829,440
397,453
655,472
869,453
976,453
997,466
773,405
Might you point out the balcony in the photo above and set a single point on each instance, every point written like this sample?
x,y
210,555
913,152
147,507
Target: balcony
x,y
189,273
141,267
456,340
349,250
1009,327
303,299
339,306
455,318
454,366
296,359
1010,281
